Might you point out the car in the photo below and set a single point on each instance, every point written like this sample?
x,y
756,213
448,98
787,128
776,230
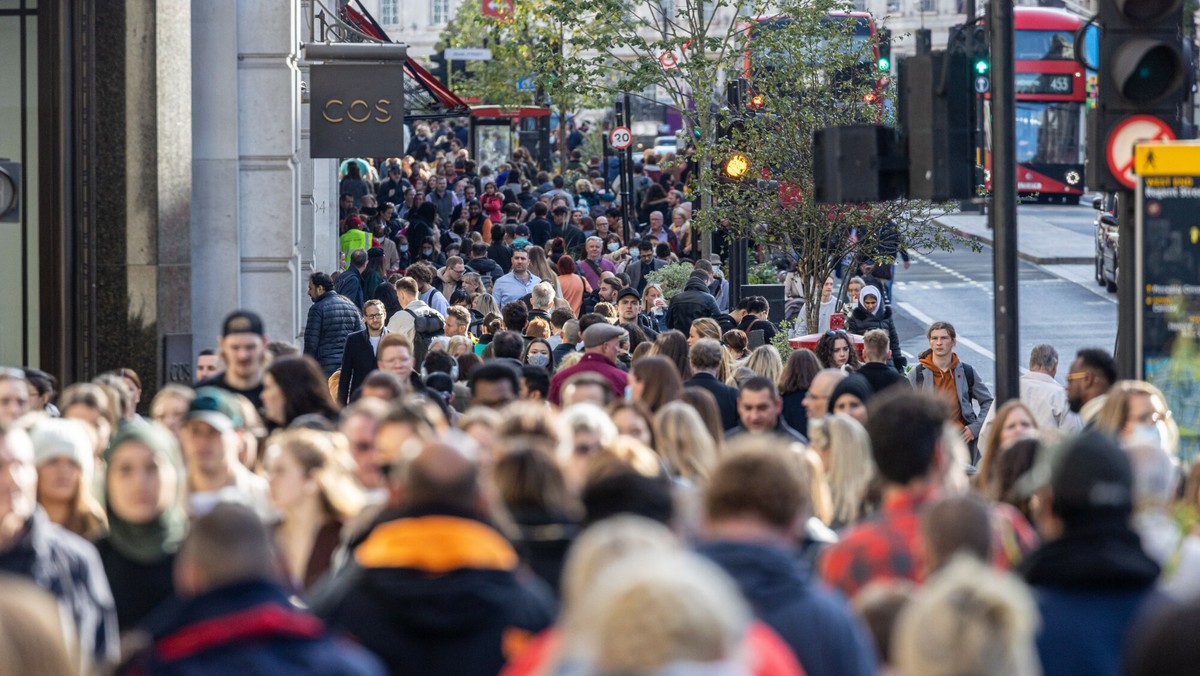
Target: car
x,y
665,145
1107,240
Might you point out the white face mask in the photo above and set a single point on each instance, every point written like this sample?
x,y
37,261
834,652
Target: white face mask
x,y
538,359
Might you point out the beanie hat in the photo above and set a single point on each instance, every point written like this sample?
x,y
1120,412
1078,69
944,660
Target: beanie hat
x,y
853,384
62,438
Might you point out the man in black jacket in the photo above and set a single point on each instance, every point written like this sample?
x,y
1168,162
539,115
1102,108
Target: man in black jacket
x,y
466,610
876,367
691,304
358,356
572,236
705,357
539,226
330,319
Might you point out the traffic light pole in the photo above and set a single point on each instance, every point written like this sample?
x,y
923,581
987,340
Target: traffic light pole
x,y
1003,216
1127,351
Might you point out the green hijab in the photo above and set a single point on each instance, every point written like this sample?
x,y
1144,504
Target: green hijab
x,y
157,539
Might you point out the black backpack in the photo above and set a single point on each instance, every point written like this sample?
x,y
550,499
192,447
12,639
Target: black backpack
x,y
426,327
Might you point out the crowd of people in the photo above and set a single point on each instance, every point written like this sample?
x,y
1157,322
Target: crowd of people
x,y
539,463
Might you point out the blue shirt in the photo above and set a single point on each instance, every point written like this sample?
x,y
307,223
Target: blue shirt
x,y
508,288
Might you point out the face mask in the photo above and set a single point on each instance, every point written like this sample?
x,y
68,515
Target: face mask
x,y
1146,435
426,251
629,393
538,359
404,247
613,246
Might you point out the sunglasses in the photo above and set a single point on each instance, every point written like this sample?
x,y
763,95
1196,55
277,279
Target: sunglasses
x,y
838,332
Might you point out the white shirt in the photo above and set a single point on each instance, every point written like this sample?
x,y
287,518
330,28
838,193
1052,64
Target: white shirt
x,y
1047,400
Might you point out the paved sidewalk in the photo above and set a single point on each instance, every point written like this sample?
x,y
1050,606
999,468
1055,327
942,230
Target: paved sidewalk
x,y
1038,241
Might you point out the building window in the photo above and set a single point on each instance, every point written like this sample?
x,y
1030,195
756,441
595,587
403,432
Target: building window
x,y
927,6
893,5
389,12
439,12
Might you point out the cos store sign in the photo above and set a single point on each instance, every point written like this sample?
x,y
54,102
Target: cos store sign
x,y
356,110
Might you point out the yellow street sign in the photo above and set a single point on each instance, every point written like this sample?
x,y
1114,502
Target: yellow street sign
x,y
1167,158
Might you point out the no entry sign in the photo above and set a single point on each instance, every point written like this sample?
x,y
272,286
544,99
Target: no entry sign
x,y
1124,136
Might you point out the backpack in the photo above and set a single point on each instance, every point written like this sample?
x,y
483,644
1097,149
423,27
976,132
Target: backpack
x,y
426,327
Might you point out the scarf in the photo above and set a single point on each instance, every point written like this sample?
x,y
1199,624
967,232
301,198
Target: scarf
x,y
870,290
160,537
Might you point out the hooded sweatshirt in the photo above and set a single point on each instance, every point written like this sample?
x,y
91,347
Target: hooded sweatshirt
x,y
943,383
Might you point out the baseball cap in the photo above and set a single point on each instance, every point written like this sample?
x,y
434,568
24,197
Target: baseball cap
x,y
242,321
375,252
1088,473
599,334
628,291
216,408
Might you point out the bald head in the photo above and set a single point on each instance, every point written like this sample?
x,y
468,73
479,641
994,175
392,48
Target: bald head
x,y
816,402
442,472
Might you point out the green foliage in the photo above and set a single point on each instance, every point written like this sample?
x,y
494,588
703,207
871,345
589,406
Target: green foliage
x,y
762,273
780,341
671,278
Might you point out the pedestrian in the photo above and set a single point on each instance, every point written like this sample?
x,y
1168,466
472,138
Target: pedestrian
x,y
871,313
1093,579
331,319
754,504
518,283
835,350
706,358
844,448
694,302
358,354
850,397
653,382
350,283
573,285
226,569
243,349
294,387
64,457
1092,375
55,559
1046,399
209,444
877,366
940,370
795,379
760,411
146,523
764,361
445,614
601,344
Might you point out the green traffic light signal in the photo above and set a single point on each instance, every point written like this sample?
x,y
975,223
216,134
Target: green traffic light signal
x,y
981,66
885,64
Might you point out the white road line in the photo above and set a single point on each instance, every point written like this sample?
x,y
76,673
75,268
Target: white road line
x,y
966,342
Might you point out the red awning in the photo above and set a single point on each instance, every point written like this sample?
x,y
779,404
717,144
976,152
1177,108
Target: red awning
x,y
425,97
514,112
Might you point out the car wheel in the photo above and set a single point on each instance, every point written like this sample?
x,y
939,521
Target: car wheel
x,y
1099,271
1111,287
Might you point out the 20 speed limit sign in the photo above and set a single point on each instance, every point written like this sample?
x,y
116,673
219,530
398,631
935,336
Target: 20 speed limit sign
x,y
620,138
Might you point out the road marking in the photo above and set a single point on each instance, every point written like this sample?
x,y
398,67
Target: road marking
x,y
965,342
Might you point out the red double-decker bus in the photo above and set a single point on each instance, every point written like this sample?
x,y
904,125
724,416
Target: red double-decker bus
x,y
1051,90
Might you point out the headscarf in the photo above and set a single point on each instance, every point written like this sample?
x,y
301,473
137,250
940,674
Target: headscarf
x,y
871,290
148,542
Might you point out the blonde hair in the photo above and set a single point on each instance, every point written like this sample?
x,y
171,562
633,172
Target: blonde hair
x,y
968,619
765,361
683,441
325,459
605,543
648,611
851,468
32,639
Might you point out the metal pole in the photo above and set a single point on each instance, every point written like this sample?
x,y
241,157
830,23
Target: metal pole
x,y
622,121
630,210
1128,351
1003,217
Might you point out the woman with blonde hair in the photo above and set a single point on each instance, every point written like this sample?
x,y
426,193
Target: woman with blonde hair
x,y
845,450
1136,412
64,457
683,441
170,406
1013,421
765,362
654,382
312,486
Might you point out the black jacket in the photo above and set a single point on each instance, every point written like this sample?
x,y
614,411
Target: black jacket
x,y
391,302
330,319
861,321
358,361
725,395
501,255
539,231
448,614
794,412
881,376
138,588
486,267
691,304
559,353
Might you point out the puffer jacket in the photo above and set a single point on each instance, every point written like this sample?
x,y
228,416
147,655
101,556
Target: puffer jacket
x,y
330,319
862,321
691,304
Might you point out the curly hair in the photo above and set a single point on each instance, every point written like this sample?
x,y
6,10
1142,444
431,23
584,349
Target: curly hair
x,y
824,349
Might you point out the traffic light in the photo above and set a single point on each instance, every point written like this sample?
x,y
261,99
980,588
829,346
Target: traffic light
x,y
885,51
735,166
437,66
981,57
936,122
1143,71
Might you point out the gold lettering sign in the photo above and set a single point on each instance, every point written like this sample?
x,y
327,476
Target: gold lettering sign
x,y
335,111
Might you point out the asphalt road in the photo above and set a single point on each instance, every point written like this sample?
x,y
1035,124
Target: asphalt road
x,y
1059,305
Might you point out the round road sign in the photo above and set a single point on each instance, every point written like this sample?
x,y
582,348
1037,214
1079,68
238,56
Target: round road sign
x,y
982,84
621,138
1122,139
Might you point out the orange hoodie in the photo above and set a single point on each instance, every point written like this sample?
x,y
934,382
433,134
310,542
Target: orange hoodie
x,y
943,384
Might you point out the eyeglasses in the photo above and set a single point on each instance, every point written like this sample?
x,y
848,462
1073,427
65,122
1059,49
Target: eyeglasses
x,y
374,315
1076,376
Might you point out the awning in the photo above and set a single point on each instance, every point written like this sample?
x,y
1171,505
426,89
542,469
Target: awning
x,y
425,97
513,112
